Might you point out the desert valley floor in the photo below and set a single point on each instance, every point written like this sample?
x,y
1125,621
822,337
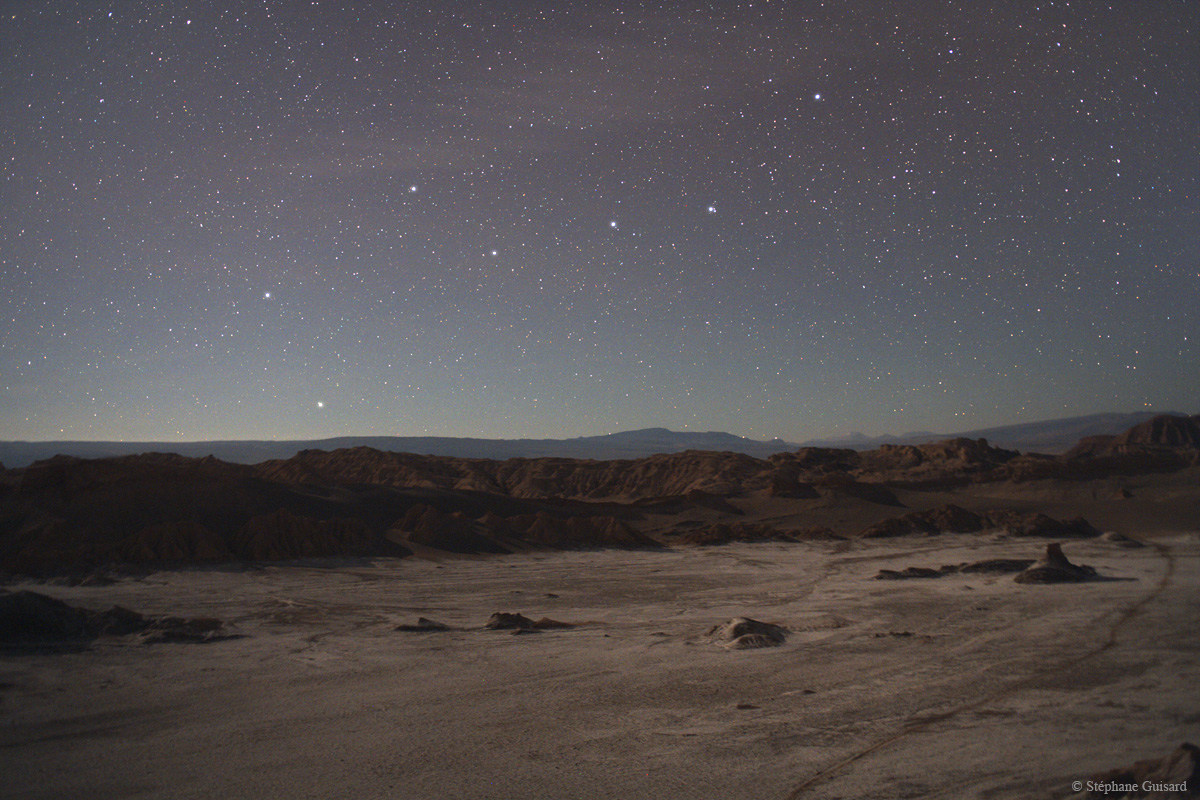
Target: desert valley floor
x,y
963,686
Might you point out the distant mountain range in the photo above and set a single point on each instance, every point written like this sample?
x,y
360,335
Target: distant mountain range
x,y
1050,436
627,444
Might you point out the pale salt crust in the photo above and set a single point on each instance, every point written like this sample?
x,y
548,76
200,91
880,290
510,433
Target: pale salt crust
x,y
323,698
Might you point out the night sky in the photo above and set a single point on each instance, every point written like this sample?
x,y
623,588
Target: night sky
x,y
505,219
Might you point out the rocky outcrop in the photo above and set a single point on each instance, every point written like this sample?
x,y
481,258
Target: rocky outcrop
x,y
952,462
820,460
33,619
283,535
945,463
947,519
693,499
622,480
1120,540
953,519
423,625
547,530
908,573
1015,523
807,473
1053,567
990,566
1162,444
501,621
70,513
995,566
28,617
1164,431
182,541
788,479
743,633
453,532
834,487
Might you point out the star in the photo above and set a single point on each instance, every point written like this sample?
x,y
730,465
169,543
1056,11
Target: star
x,y
921,183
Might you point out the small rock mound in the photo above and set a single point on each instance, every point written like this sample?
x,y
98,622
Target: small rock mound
x,y
1054,567
1120,540
1172,777
519,622
423,625
743,633
503,621
908,572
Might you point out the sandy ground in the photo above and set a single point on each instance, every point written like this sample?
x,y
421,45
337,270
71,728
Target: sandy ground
x,y
964,686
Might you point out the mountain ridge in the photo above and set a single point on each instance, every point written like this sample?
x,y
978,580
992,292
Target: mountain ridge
x,y
80,514
1045,436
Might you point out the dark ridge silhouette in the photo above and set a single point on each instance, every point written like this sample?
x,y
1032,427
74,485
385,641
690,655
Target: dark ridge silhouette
x,y
78,516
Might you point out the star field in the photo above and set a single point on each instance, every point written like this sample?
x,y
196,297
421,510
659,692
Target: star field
x,y
294,220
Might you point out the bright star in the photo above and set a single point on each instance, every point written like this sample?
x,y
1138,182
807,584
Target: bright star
x,y
817,96
266,295
612,224
712,209
413,188
320,404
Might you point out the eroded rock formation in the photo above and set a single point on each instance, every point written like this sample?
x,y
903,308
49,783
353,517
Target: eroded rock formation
x,y
1053,567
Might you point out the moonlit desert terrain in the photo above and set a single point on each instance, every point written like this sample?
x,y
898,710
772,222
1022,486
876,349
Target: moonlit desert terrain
x,y
964,686
955,679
